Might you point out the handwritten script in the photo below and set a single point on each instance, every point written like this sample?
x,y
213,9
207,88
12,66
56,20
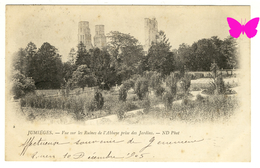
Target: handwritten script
x,y
85,148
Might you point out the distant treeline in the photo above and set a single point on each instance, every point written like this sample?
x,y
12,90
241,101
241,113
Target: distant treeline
x,y
120,60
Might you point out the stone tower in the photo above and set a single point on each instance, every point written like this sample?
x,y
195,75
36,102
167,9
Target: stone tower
x,y
150,32
84,34
100,38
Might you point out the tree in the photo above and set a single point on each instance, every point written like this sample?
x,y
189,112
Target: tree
x,y
200,55
31,51
72,56
126,54
229,51
83,77
99,65
83,57
159,57
19,61
67,70
48,68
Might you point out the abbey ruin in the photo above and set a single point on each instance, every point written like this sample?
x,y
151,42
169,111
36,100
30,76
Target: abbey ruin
x,y
84,35
150,32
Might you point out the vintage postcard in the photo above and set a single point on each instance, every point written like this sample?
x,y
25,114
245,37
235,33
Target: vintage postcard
x,y
127,83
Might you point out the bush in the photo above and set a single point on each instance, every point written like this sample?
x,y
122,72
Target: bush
x,y
141,87
171,82
213,108
21,85
148,74
128,84
120,113
159,91
168,99
209,91
122,93
185,83
220,85
199,98
74,104
155,80
145,104
186,101
124,107
98,100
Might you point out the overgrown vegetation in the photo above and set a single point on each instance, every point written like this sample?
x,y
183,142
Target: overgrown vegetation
x,y
127,78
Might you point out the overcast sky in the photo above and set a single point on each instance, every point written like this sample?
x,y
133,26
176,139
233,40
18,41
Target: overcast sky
x,y
58,25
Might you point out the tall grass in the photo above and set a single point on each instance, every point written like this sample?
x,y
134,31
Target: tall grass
x,y
202,109
79,105
82,106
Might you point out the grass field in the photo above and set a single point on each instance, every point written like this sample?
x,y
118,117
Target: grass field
x,y
51,105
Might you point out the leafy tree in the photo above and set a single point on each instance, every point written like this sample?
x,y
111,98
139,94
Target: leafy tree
x,y
229,51
83,77
126,54
72,56
200,55
31,51
83,57
159,57
67,70
99,65
48,67
19,61
185,57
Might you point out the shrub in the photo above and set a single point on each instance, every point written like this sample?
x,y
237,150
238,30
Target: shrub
x,y
21,85
128,84
220,85
145,104
124,107
159,91
171,83
186,101
122,93
155,80
168,99
185,83
210,90
148,74
141,87
98,100
213,108
199,98
120,113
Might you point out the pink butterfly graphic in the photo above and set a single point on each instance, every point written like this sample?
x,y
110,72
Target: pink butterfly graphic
x,y
236,28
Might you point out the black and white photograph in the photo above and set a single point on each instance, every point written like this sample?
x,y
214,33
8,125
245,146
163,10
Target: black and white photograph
x,y
127,83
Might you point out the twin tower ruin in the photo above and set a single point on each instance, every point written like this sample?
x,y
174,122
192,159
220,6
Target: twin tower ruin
x,y
84,36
